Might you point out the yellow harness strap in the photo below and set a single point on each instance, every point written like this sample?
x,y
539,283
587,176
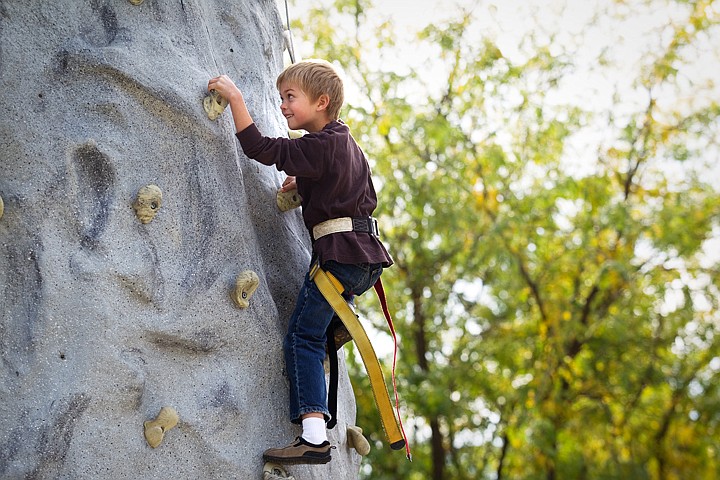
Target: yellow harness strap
x,y
332,289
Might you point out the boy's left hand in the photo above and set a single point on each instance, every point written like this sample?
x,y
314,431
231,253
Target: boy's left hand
x,y
227,90
288,184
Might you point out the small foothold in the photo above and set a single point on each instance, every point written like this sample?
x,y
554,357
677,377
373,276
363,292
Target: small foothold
x,y
288,200
148,202
214,105
136,2
245,285
2,207
357,440
273,471
155,429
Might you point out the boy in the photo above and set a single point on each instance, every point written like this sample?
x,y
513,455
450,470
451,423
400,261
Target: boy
x,y
333,178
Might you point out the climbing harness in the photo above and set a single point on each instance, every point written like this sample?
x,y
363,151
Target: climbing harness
x,y
332,289
346,224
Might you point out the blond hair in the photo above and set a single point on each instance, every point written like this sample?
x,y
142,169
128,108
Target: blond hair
x,y
316,77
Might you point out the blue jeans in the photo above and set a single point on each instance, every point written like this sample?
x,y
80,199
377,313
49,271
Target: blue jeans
x,y
304,344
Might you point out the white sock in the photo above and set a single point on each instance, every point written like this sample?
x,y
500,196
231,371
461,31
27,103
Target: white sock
x,y
314,430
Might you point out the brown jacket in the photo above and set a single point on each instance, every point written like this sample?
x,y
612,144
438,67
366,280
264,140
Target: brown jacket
x,y
333,179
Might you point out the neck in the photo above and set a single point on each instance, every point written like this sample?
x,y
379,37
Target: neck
x,y
319,125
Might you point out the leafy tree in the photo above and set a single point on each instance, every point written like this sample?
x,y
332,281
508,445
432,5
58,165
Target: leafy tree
x,y
556,321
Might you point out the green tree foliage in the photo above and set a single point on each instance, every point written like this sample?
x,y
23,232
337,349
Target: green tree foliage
x,y
557,305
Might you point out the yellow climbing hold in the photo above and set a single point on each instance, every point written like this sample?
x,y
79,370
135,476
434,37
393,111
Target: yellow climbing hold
x,y
288,200
273,471
148,203
214,105
155,429
2,207
295,133
245,285
357,440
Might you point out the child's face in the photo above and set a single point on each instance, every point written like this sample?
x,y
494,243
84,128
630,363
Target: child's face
x,y
300,112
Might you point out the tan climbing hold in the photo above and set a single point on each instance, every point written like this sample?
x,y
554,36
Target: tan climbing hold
x,y
148,203
357,440
288,200
245,285
155,429
273,471
136,2
2,207
214,105
295,133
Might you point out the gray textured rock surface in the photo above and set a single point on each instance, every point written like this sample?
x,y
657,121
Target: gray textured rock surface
x,y
105,319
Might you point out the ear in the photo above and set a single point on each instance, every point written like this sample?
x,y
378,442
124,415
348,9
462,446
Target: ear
x,y
322,102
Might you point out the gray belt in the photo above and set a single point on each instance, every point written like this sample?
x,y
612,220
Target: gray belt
x,y
346,224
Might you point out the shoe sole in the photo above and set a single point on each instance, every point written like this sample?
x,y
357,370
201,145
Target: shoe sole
x,y
309,459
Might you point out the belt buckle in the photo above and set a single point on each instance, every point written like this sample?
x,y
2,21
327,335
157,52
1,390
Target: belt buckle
x,y
373,224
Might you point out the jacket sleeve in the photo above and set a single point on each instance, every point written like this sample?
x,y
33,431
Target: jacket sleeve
x,y
300,157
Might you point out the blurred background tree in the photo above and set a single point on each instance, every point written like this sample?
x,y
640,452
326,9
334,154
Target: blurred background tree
x,y
553,208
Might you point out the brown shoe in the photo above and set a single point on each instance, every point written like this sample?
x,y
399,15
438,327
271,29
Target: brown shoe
x,y
300,451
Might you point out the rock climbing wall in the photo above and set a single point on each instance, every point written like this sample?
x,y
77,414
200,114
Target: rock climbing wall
x,y
128,217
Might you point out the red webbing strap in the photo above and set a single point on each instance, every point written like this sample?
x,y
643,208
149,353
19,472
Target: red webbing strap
x,y
380,291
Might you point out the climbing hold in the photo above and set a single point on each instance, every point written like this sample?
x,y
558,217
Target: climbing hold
x,y
293,134
2,207
288,200
136,2
155,429
214,105
357,440
273,471
148,202
245,285
287,37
